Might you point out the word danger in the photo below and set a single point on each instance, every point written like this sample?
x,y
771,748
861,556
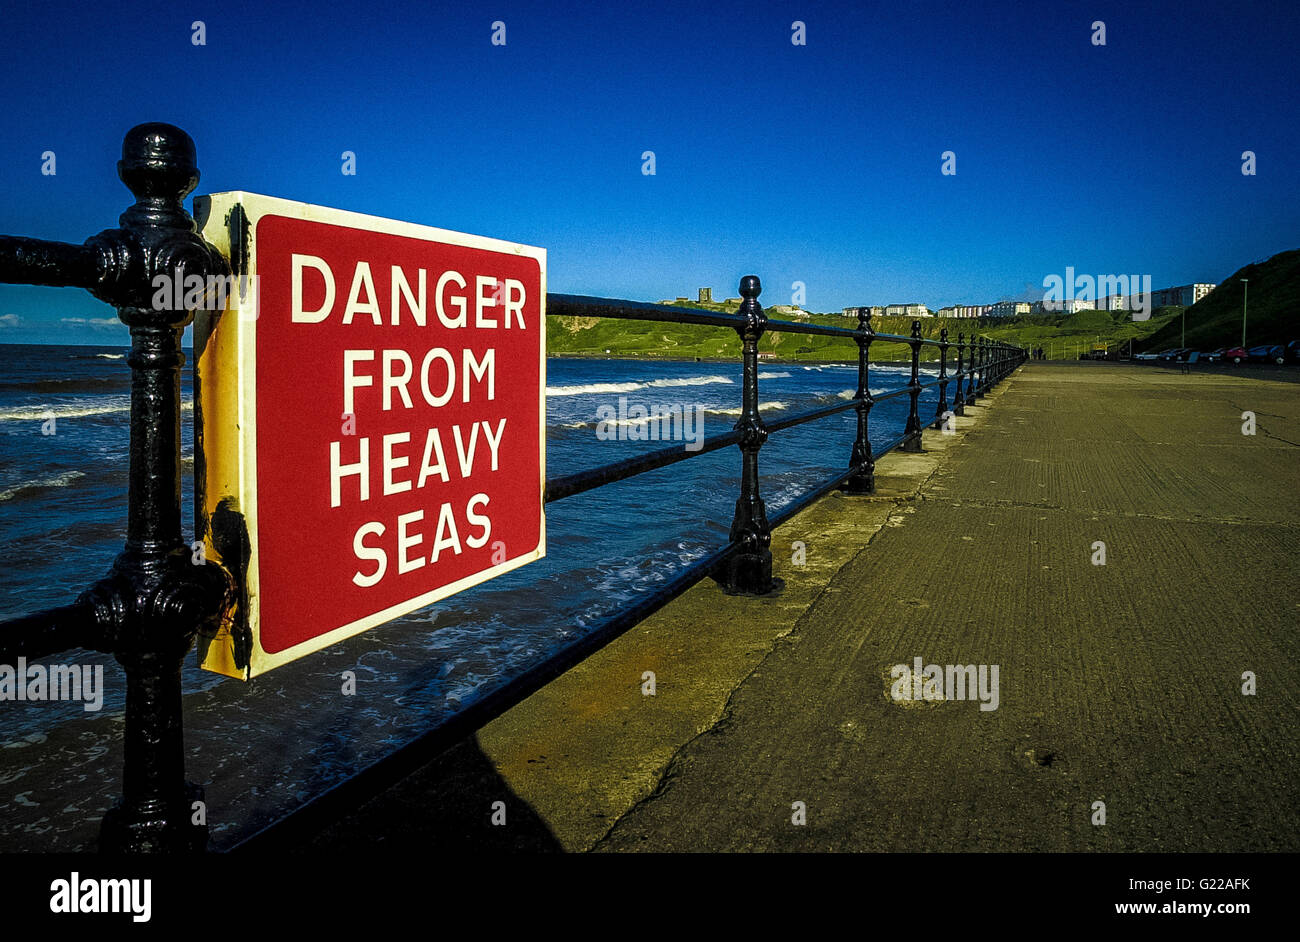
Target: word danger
x,y
451,297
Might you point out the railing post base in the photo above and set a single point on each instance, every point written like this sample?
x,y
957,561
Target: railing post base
x,y
859,485
748,574
156,828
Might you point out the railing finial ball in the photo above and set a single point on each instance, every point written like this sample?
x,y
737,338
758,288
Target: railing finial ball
x,y
750,287
159,161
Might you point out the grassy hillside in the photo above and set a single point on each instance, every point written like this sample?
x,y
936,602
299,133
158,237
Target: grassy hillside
x,y
1272,309
1064,335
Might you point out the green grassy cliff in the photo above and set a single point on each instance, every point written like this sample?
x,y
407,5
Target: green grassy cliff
x,y
1065,334
1272,309
1273,317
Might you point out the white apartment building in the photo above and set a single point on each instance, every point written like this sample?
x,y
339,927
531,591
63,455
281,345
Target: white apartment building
x,y
1008,308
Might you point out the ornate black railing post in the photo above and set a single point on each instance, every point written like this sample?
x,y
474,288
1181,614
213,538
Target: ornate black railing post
x,y
161,598
982,359
150,606
863,480
942,407
959,397
750,569
913,429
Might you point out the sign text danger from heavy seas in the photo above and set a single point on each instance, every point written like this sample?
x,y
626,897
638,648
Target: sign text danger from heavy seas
x,y
395,453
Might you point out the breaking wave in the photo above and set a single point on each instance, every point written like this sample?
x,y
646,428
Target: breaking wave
x,y
592,388
41,484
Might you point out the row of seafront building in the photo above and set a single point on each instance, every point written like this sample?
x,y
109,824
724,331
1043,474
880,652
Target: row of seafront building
x,y
1183,295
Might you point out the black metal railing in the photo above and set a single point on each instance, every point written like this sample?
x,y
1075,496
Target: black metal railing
x,y
748,560
148,610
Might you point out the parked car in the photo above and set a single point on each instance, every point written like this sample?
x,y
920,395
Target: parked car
x,y
1293,351
1214,356
1145,355
1268,353
1234,354
1174,354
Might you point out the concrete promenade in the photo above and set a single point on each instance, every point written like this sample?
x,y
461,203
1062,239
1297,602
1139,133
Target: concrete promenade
x,y
1119,683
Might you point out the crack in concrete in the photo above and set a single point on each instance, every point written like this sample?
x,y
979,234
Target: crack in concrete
x,y
1260,428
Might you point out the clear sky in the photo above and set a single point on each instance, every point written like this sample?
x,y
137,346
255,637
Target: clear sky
x,y
817,163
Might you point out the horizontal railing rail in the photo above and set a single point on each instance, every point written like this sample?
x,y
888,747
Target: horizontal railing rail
x,y
148,610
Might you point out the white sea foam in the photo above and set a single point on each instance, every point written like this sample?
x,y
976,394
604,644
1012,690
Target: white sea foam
x,y
590,388
58,480
62,411
627,423
693,381
593,388
762,406
71,410
773,375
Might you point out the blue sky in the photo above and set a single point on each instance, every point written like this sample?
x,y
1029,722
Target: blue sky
x,y
816,163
